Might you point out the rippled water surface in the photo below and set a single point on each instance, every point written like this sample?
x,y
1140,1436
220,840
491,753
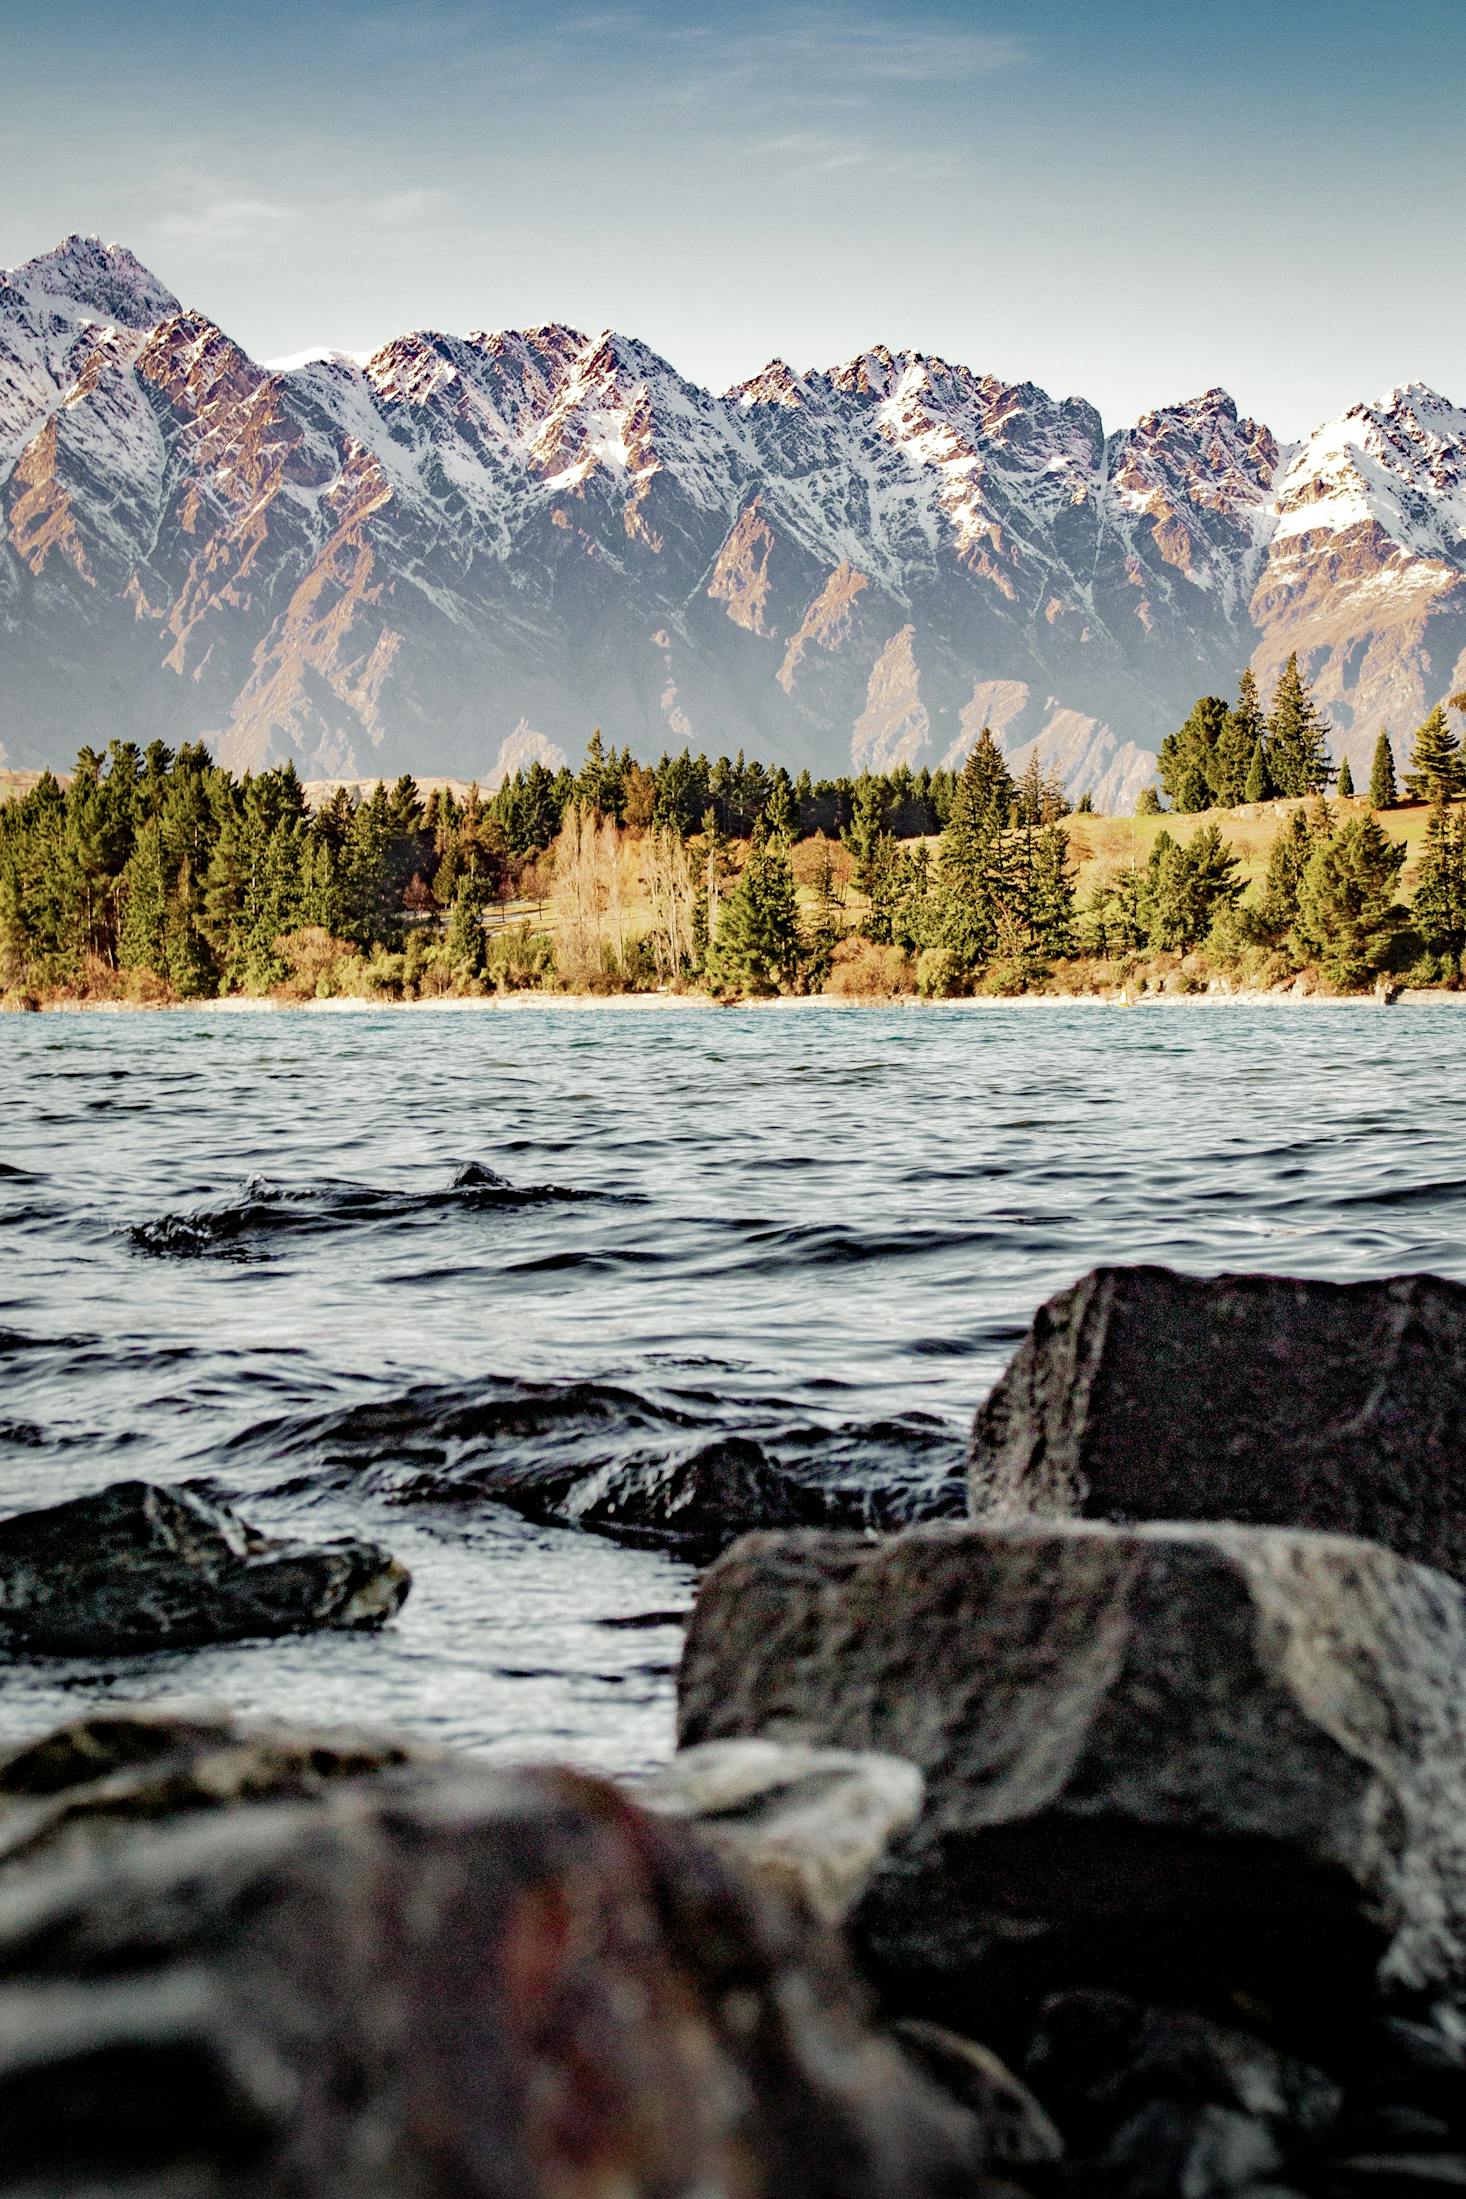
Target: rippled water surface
x,y
235,1244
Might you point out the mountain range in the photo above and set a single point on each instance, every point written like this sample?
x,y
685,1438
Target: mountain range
x,y
464,552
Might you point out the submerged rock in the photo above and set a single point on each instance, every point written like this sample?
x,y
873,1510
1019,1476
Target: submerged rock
x,y
1142,1394
508,1984
1180,1759
142,1565
819,1820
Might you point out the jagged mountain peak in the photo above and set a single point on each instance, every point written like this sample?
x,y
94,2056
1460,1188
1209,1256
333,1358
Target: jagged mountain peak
x,y
90,280
775,384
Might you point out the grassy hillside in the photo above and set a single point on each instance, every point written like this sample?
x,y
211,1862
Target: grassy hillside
x,y
1102,845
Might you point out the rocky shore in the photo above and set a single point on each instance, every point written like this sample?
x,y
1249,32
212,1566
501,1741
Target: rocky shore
x,y
1108,1840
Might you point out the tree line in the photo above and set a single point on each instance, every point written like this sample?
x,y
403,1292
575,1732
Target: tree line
x,y
1226,754
158,874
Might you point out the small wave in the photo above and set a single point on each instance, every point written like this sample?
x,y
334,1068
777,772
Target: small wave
x,y
243,1228
672,1467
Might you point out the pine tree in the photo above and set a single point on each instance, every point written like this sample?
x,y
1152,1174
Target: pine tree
x,y
866,835
1187,887
1436,770
465,944
1346,782
1255,786
1347,915
1382,790
756,949
1297,736
976,886
1439,906
1050,896
1288,858
1149,804
1242,731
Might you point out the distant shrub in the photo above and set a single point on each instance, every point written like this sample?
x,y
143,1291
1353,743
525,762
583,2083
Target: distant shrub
x,y
862,970
939,974
518,960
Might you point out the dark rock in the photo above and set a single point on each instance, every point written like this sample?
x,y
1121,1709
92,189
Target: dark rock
x,y
817,1820
1140,1394
144,1566
503,1985
1182,1761
1016,2131
1393,2176
1173,2151
699,1498
1097,2058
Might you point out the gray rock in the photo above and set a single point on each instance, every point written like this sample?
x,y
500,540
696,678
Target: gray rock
x,y
142,1566
504,1985
820,1820
1154,1757
101,1777
1140,1394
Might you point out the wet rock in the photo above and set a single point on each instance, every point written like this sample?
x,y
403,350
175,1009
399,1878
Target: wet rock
x,y
494,1983
1141,1394
101,1777
144,1566
1016,2131
1180,1761
819,1820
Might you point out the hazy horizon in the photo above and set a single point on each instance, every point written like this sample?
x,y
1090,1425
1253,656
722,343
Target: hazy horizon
x,y
1130,208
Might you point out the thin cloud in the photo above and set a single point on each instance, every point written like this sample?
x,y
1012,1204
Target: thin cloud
x,y
223,221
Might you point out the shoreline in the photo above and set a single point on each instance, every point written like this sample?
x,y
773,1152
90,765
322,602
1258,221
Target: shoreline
x,y
642,1003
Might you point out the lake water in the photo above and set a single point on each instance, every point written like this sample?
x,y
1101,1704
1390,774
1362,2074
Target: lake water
x,y
229,1245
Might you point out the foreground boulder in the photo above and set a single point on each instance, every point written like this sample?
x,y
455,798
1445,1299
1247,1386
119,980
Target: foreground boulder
x,y
113,1772
815,1820
1183,1760
507,1984
1141,1394
144,1566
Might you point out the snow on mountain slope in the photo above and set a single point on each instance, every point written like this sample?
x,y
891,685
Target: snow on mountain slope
x,y
52,312
469,547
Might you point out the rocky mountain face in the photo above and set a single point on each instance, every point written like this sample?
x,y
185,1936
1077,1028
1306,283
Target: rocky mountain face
x,y
465,552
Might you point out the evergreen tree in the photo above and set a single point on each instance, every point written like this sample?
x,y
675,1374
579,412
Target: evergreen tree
x,y
1436,768
1050,896
465,945
1439,906
1243,730
144,927
756,949
1189,763
1347,916
1288,858
1256,786
977,888
1187,887
1149,804
866,835
1297,736
1382,791
1346,781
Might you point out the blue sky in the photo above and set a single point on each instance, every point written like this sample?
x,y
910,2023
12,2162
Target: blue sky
x,y
1123,199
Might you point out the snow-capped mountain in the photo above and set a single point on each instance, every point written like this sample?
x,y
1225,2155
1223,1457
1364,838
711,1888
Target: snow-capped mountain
x,y
465,551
